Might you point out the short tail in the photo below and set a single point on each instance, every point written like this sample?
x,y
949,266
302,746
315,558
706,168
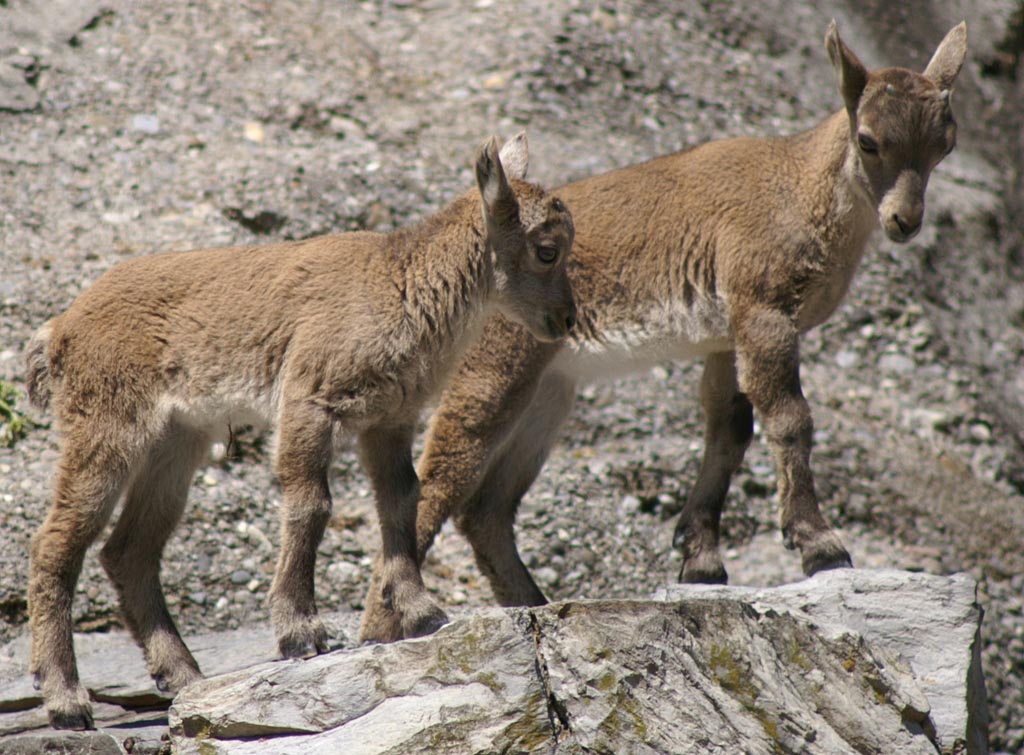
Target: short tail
x,y
37,363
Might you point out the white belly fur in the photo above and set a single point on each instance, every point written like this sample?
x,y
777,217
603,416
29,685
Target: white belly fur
x,y
667,332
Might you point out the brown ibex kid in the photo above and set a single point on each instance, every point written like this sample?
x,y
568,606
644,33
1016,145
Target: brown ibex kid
x,y
342,334
728,252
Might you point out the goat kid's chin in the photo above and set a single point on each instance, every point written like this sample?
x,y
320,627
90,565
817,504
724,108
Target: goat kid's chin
x,y
899,232
547,327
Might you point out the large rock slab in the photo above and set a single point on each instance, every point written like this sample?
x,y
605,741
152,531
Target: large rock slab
x,y
472,687
852,661
794,669
932,622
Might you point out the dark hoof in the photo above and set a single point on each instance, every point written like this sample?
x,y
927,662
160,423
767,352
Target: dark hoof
x,y
823,553
380,626
812,566
78,720
426,624
704,576
302,647
161,683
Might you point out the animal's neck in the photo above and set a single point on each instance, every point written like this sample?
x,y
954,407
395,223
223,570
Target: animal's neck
x,y
446,273
839,203
840,214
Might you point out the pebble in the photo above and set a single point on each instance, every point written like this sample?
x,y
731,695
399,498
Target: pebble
x,y
254,132
546,576
343,571
630,504
981,432
145,123
846,359
240,576
896,363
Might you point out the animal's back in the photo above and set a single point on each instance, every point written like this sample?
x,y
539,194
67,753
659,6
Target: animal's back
x,y
653,263
206,330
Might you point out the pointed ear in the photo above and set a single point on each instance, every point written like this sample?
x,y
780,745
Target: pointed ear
x,y
852,74
949,57
499,200
515,157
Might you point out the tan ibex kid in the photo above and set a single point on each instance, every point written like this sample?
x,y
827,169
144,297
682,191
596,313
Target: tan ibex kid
x,y
728,252
342,334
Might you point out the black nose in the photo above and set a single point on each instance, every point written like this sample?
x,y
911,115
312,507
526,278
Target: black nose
x,y
908,229
570,318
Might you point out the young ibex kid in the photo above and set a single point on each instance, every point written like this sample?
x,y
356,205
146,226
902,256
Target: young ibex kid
x,y
342,334
729,252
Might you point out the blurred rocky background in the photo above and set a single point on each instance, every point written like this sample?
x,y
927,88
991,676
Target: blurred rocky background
x,y
128,128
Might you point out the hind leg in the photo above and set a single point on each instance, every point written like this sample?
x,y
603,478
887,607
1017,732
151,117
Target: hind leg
x,y
303,459
728,427
489,518
131,556
91,474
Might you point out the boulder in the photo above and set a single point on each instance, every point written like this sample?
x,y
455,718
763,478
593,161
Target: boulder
x,y
846,662
851,661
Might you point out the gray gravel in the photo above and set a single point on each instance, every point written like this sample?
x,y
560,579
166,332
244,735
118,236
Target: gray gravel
x,y
152,127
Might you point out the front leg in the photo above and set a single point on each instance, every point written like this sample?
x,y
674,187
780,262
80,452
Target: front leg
x,y
462,469
767,348
397,585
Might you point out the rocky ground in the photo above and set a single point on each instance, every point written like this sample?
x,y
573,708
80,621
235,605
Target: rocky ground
x,y
130,128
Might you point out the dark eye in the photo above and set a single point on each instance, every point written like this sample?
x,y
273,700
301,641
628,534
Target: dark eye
x,y
867,144
547,254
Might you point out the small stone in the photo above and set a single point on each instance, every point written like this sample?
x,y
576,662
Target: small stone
x,y
16,94
858,507
495,80
547,576
343,571
198,597
896,363
146,123
928,421
981,432
254,132
630,504
240,576
846,359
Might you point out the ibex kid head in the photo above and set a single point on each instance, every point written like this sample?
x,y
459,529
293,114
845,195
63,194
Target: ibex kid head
x,y
901,126
529,234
